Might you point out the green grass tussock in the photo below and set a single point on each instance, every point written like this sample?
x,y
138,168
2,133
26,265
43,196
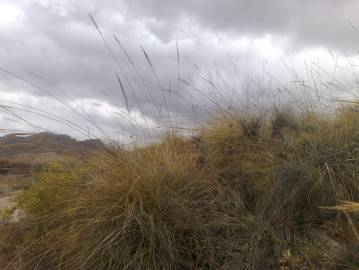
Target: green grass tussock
x,y
244,193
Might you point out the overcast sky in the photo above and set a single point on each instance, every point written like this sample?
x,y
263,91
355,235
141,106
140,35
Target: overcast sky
x,y
201,54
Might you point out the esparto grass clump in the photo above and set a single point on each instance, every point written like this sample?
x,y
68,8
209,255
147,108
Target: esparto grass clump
x,y
244,193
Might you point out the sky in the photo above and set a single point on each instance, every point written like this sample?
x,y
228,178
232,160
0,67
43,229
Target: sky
x,y
121,68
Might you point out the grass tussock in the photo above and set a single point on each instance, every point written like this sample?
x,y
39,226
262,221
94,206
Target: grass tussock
x,y
244,193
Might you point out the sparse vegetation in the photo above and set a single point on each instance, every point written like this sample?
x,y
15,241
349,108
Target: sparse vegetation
x,y
22,156
272,192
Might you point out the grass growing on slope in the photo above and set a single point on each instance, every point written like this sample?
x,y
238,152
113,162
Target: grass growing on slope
x,y
244,193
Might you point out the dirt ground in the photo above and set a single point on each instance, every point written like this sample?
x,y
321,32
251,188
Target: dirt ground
x,y
7,202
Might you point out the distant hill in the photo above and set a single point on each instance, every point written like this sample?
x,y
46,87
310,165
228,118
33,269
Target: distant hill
x,y
29,148
20,153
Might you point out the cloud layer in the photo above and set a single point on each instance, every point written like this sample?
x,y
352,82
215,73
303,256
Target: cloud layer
x,y
64,64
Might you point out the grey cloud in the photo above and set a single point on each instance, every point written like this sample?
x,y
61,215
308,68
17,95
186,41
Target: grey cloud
x,y
56,39
318,23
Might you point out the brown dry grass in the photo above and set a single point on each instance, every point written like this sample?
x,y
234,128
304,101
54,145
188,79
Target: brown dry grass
x,y
245,193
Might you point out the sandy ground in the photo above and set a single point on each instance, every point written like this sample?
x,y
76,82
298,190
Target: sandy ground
x,y
6,202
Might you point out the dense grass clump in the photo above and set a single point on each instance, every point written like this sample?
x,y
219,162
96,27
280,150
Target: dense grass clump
x,y
244,193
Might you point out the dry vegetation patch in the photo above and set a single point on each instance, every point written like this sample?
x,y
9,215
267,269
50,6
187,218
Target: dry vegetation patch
x,y
245,193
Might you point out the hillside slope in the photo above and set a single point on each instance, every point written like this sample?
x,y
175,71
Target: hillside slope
x,y
20,154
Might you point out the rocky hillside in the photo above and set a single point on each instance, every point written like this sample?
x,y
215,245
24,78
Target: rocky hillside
x,y
20,154
26,148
